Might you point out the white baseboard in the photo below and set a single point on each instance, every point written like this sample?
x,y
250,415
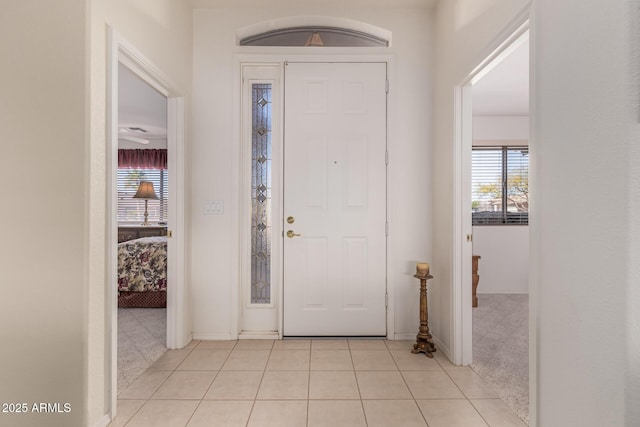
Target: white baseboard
x,y
211,337
187,340
404,337
104,421
268,335
442,348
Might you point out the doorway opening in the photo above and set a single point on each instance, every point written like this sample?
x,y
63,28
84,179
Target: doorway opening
x,y
500,217
168,175
142,214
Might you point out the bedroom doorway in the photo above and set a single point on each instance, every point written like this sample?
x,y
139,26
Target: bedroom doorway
x,y
142,191
500,223
163,214
480,143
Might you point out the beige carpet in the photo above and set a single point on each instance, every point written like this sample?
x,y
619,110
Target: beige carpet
x,y
501,347
141,341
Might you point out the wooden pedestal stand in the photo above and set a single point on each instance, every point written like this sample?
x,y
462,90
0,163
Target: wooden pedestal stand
x,y
423,339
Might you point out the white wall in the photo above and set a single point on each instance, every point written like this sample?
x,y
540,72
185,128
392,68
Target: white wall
x,y
632,309
509,128
215,176
162,32
504,263
584,265
43,177
467,32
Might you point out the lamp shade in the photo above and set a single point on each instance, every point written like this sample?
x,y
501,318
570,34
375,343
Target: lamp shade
x,y
145,191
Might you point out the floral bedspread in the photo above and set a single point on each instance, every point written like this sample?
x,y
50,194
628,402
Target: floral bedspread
x,y
142,264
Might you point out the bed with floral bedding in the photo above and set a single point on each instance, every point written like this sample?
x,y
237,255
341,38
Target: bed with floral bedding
x,y
142,272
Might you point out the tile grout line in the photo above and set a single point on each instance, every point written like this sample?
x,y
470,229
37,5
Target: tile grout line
x,y
465,396
147,400
255,398
404,380
366,421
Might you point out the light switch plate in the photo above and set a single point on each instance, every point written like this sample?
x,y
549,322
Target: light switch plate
x,y
213,207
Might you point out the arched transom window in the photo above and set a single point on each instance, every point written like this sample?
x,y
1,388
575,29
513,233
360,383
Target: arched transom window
x,y
319,36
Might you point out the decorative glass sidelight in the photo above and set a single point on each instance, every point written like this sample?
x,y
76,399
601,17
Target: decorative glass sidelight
x,y
261,133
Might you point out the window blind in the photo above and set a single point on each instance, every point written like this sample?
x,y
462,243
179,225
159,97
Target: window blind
x,y
131,210
500,185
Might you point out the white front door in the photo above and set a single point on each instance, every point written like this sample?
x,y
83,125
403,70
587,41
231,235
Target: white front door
x,y
335,199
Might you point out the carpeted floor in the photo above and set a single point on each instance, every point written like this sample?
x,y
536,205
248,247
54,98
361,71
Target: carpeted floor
x,y
501,347
141,341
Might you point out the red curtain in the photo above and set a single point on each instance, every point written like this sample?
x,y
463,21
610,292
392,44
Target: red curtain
x,y
142,159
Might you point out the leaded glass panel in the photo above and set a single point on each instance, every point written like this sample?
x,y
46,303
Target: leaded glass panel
x,y
261,133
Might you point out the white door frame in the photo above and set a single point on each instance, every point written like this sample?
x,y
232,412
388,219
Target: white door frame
x,y
121,51
281,56
463,232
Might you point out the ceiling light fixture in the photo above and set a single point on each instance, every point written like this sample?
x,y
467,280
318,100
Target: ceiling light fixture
x,y
314,40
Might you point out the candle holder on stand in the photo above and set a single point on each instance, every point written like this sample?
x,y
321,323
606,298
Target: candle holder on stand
x,y
424,343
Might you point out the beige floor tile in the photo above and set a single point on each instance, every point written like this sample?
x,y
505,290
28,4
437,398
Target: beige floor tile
x,y
145,385
447,413
246,360
278,413
372,360
126,410
254,345
446,364
399,344
472,385
330,360
336,413
170,360
284,385
185,385
497,413
408,361
382,385
367,345
216,344
431,385
222,414
288,360
204,360
339,385
235,385
192,344
385,413
329,345
292,345
164,413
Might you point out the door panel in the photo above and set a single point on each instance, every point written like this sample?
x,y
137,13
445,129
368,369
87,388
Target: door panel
x,y
335,188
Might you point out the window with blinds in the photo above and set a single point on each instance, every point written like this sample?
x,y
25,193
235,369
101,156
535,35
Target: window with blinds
x,y
131,210
500,185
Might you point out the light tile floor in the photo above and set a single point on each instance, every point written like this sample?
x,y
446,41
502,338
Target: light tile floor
x,y
310,383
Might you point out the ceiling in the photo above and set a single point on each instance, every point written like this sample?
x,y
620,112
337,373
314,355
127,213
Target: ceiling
x,y
504,91
140,107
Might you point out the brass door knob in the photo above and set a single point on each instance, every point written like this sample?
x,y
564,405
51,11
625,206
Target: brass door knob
x,y
291,234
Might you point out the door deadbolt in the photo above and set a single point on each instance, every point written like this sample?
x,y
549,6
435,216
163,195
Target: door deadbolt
x,y
291,234
290,220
